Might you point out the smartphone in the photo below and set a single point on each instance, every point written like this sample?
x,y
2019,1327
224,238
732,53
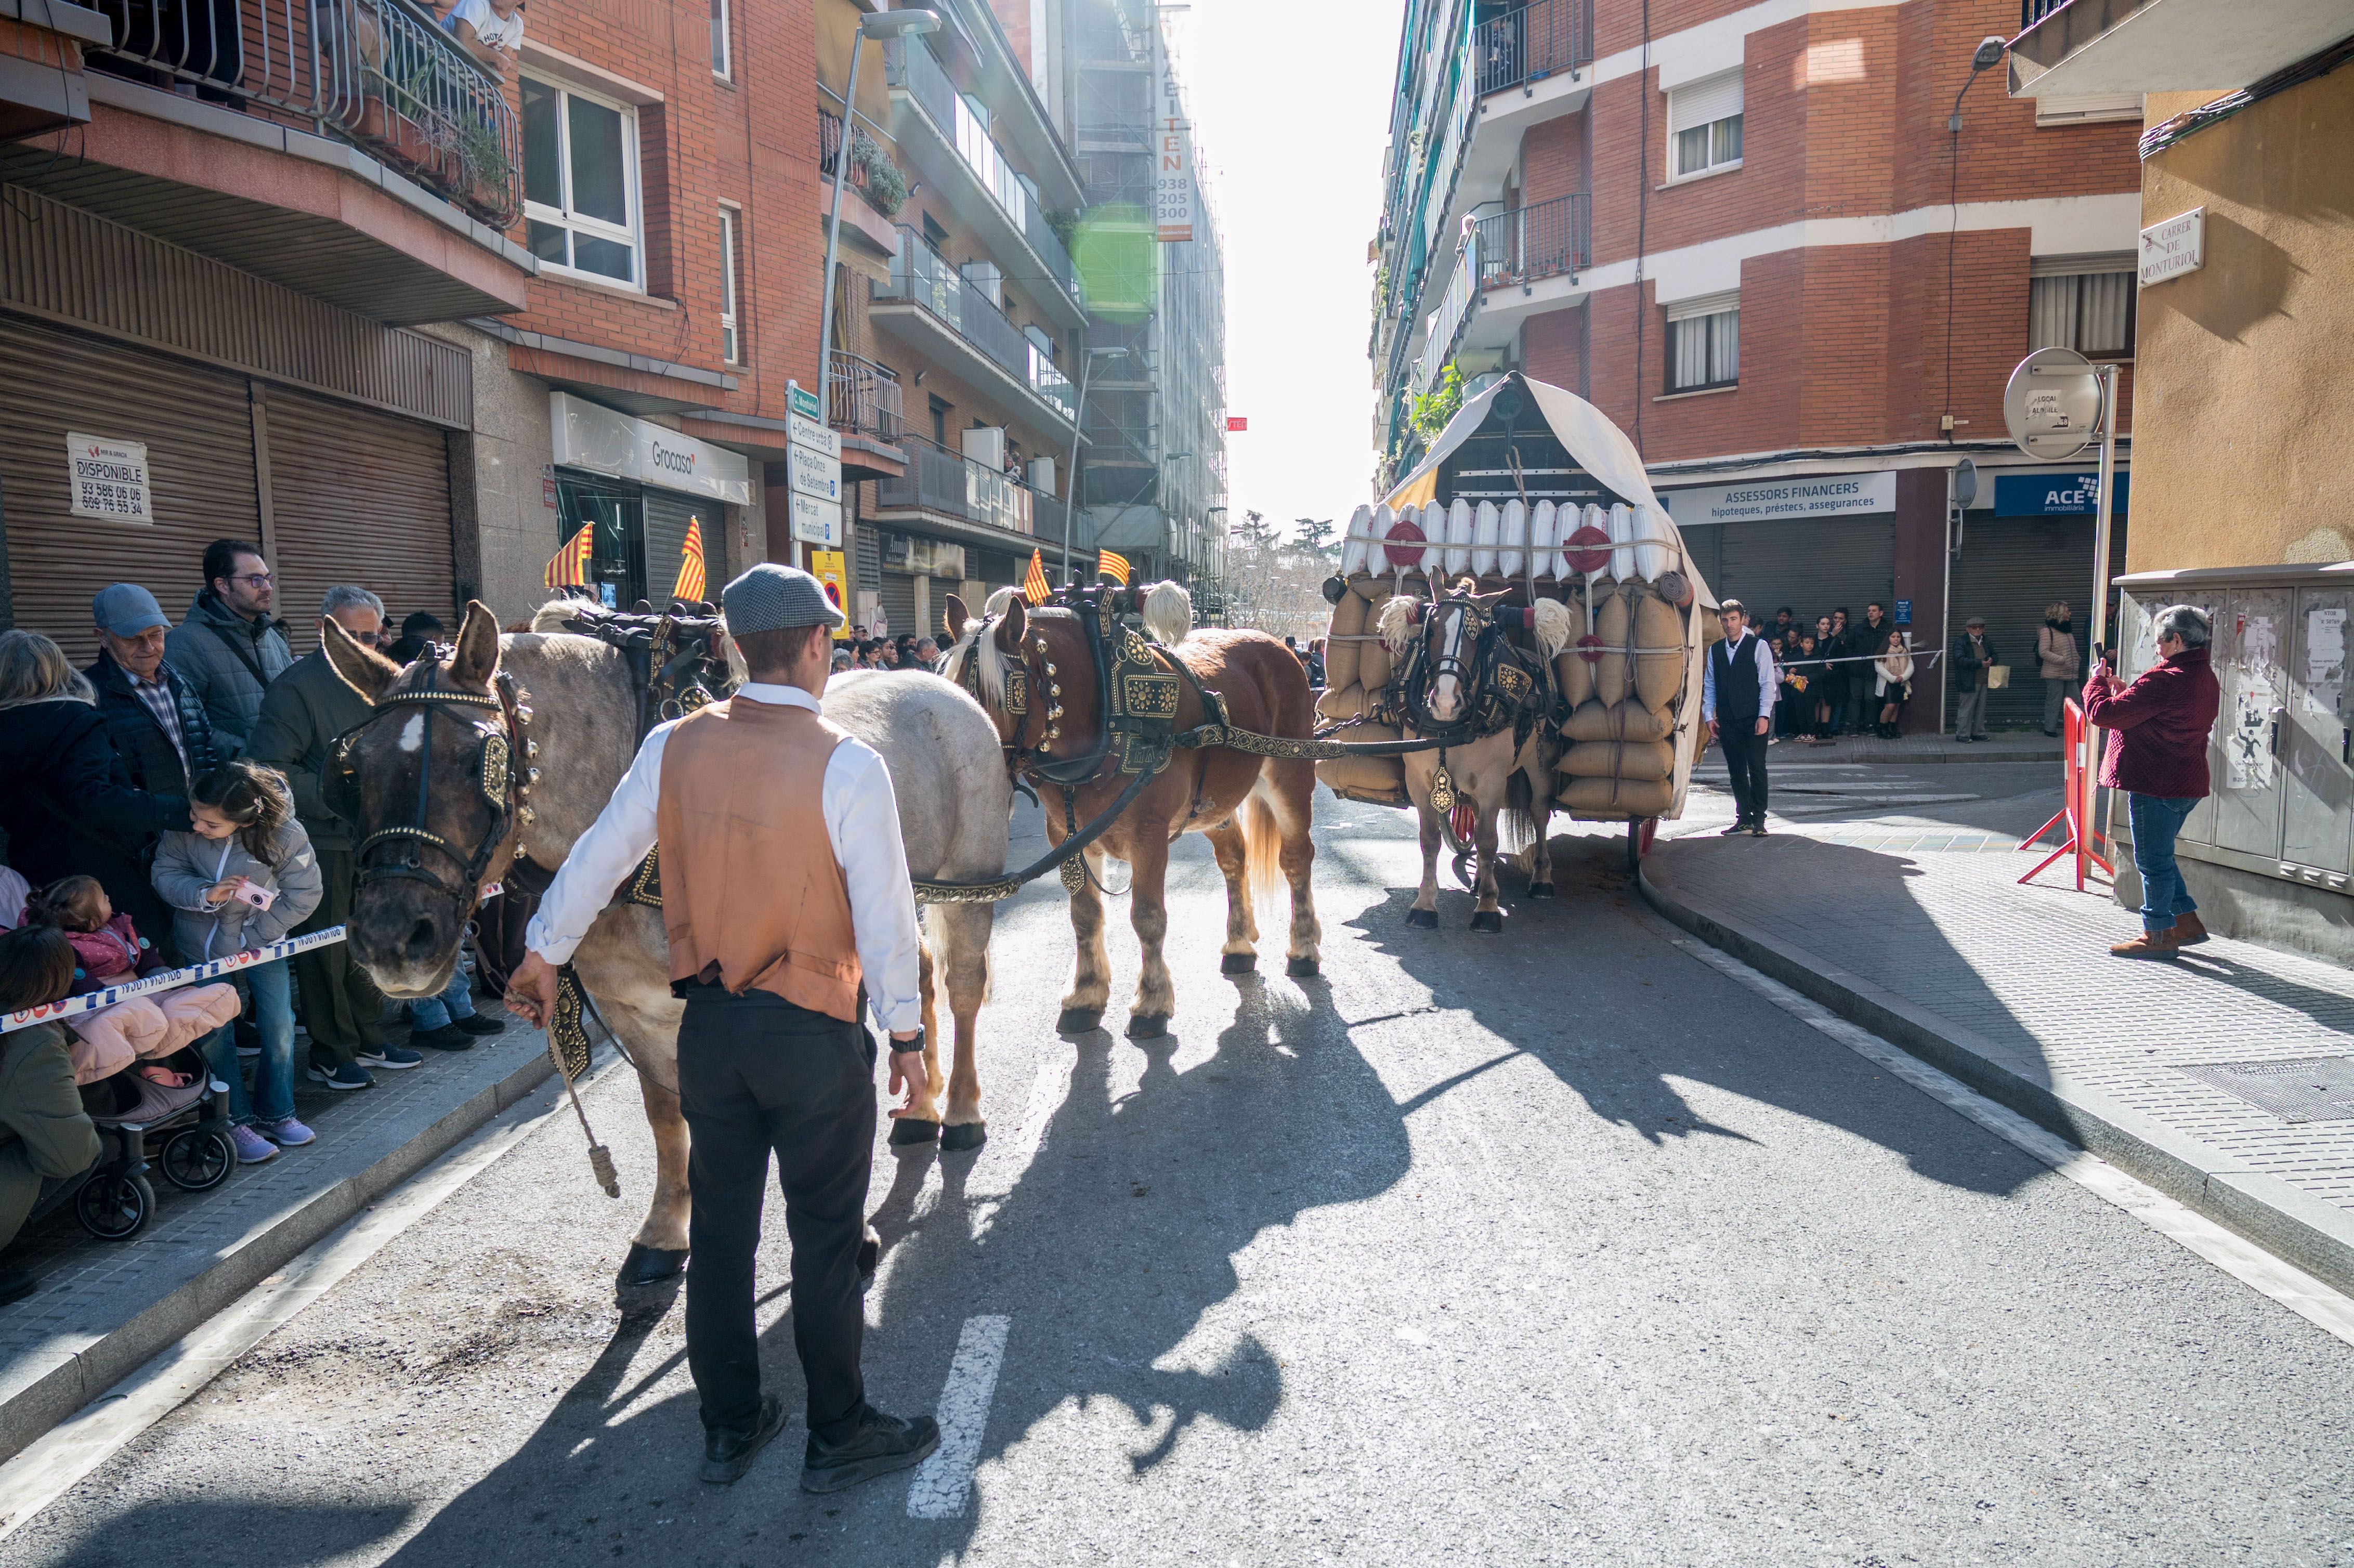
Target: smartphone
x,y
253,893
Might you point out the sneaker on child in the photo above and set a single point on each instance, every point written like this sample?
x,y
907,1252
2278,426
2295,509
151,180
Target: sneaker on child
x,y
253,1149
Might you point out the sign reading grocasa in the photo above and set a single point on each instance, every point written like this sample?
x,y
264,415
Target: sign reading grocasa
x,y
590,435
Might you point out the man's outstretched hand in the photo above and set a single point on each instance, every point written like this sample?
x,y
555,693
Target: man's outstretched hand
x,y
531,990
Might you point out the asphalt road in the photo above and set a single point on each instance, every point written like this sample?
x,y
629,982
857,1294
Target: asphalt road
x,y
1556,1246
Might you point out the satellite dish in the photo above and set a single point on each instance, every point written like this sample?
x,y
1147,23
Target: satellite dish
x,y
2052,404
1966,482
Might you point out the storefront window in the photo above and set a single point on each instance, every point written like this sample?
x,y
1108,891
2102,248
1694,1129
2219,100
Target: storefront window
x,y
617,550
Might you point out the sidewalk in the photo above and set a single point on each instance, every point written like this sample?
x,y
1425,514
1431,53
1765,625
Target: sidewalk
x,y
103,1309
2003,745
2164,1069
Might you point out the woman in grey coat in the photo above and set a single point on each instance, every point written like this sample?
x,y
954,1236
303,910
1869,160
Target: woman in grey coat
x,y
242,878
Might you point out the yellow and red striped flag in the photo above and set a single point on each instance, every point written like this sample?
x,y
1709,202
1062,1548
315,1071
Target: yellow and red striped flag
x,y
570,567
1114,566
1033,584
690,567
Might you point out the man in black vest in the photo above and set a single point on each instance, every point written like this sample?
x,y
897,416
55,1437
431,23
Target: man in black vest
x,y
1737,700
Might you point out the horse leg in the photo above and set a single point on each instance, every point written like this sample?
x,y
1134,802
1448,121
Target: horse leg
x,y
1540,814
922,1125
1424,912
1289,797
1090,992
1487,915
963,968
1156,996
658,1256
1241,950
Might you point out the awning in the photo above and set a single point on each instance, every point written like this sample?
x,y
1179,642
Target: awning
x,y
1597,446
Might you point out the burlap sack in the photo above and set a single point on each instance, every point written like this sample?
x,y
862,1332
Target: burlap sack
x,y
1615,799
1660,651
1359,777
1614,623
1341,702
1647,761
1374,664
1569,667
1627,721
1340,646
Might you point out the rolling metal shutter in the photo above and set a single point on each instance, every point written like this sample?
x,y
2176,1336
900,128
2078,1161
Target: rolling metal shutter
x,y
359,497
667,514
899,602
199,431
1813,567
2010,568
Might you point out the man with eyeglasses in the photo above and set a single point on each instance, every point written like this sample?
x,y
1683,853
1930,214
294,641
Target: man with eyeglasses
x,y
229,649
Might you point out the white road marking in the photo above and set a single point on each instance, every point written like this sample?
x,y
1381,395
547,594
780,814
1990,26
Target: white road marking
x,y
942,1488
2311,1299
52,1465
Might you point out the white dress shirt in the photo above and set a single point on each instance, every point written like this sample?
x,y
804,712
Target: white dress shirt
x,y
1766,688
862,821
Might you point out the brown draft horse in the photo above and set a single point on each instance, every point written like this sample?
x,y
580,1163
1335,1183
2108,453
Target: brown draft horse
x,y
1035,671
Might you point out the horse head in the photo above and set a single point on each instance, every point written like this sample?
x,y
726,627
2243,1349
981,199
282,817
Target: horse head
x,y
432,783
1451,629
1032,668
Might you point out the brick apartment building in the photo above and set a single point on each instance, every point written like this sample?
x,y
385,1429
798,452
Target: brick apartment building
x,y
1750,238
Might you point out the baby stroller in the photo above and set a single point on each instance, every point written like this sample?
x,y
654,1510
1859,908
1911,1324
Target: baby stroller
x,y
184,1131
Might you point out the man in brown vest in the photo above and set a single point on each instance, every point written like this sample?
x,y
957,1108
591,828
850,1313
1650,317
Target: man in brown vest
x,y
786,897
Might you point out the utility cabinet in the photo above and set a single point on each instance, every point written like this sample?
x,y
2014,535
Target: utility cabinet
x,y
2281,759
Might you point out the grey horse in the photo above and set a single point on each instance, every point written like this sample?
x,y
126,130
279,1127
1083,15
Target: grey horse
x,y
954,800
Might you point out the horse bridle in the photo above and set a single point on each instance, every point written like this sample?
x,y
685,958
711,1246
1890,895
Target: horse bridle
x,y
1014,697
503,769
1428,665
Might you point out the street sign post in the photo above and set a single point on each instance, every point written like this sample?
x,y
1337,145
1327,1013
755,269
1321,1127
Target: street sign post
x,y
814,465
2055,403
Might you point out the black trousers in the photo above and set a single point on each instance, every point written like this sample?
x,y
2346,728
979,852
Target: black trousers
x,y
1745,760
340,1005
758,1074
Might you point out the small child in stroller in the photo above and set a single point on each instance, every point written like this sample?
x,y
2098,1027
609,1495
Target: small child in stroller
x,y
109,951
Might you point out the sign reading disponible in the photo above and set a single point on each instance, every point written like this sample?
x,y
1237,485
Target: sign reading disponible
x,y
1826,495
108,478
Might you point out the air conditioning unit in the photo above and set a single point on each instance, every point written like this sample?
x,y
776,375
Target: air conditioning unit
x,y
1042,475
986,445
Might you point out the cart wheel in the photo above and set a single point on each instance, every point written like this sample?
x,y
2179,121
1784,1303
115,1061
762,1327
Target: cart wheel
x,y
197,1160
114,1207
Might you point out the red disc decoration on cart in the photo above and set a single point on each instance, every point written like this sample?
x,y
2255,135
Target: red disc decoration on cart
x,y
1589,648
1408,554
1579,550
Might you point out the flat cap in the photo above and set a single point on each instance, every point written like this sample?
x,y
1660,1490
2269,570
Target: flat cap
x,y
774,597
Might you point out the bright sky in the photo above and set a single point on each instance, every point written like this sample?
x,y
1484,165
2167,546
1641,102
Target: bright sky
x,y
1291,106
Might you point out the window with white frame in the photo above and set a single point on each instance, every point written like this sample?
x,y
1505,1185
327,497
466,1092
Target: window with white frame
x,y
719,66
2083,302
731,336
580,183
1705,125
1704,342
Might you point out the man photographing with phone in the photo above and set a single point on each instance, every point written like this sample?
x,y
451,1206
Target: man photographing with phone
x,y
787,903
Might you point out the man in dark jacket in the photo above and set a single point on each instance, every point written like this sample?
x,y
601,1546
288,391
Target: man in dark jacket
x,y
229,649
157,724
1973,658
2160,759
303,713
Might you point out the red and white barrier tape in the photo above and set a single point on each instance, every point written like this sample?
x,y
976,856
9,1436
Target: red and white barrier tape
x,y
169,980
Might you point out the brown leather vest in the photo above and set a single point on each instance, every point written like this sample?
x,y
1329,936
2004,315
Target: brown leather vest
x,y
752,894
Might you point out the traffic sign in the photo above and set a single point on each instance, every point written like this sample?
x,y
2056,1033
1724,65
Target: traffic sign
x,y
814,473
801,402
816,522
815,437
2052,404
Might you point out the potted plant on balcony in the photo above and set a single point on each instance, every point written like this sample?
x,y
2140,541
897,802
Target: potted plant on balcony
x,y
876,177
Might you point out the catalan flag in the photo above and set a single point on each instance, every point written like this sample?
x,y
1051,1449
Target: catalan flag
x,y
1114,566
690,567
1033,584
570,567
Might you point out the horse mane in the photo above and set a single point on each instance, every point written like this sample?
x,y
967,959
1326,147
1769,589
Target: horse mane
x,y
1396,621
1167,614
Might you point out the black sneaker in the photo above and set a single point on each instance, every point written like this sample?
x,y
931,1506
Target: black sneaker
x,y
390,1058
728,1455
347,1077
448,1037
1740,825
479,1023
1757,828
881,1445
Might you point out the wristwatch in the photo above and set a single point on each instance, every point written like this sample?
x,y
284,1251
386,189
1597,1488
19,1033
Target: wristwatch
x,y
895,1045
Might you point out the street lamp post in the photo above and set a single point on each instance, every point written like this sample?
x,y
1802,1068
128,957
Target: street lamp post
x,y
1078,420
882,25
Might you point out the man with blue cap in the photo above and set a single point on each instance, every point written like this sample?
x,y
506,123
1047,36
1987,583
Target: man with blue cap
x,y
786,899
155,719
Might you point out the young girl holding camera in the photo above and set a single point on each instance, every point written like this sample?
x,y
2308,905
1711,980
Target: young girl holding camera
x,y
240,879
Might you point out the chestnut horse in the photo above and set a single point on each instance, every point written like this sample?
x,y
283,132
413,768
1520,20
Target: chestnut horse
x,y
1035,670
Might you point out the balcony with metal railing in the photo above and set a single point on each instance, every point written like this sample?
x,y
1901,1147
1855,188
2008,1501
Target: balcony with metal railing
x,y
1008,210
1532,43
1544,239
952,485
951,316
864,399
378,74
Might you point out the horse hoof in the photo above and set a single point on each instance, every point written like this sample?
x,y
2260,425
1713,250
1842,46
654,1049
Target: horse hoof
x,y
1148,1025
1079,1021
1300,968
649,1266
963,1136
907,1129
1541,890
1425,918
1488,920
1238,963
870,1253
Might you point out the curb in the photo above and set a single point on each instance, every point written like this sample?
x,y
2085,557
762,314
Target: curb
x,y
2294,1225
76,1378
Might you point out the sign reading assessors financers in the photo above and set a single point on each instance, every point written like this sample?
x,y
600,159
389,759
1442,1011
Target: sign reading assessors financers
x,y
1824,495
108,478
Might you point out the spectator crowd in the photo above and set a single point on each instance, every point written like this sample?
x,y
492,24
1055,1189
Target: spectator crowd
x,y
161,808
1838,675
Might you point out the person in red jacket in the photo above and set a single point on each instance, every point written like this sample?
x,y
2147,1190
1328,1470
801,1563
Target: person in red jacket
x,y
2159,760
